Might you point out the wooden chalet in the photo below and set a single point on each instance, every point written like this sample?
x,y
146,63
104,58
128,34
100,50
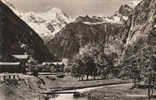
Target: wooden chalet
x,y
23,58
13,64
12,67
56,66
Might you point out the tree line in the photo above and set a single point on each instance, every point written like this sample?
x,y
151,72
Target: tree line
x,y
92,62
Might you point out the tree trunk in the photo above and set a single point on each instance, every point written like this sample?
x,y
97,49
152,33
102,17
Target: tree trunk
x,y
82,78
87,77
94,77
149,93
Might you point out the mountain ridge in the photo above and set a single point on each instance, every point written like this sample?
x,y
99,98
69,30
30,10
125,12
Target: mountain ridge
x,y
14,33
94,25
46,24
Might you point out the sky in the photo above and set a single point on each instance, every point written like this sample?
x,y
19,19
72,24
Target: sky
x,y
71,7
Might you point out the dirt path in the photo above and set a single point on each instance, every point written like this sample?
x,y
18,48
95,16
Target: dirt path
x,y
135,95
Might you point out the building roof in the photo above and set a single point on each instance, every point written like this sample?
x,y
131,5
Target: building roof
x,y
54,63
9,63
57,63
20,56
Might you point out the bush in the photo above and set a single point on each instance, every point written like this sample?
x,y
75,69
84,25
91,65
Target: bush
x,y
52,78
61,76
67,69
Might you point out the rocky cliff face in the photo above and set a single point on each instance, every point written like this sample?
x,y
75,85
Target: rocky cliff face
x,y
88,19
123,13
139,35
16,37
125,10
74,36
140,22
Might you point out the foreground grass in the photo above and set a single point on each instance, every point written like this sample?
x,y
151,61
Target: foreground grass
x,y
24,87
118,93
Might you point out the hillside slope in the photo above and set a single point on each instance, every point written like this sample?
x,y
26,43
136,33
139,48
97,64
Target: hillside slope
x,y
16,37
74,36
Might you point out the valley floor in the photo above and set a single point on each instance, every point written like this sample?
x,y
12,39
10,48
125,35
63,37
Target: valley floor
x,y
123,92
24,87
27,87
68,82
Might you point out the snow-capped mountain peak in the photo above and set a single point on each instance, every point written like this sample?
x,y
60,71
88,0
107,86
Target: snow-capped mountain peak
x,y
47,24
124,11
120,16
55,13
132,3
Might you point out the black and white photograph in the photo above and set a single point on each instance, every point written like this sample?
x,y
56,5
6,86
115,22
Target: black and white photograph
x,y
77,49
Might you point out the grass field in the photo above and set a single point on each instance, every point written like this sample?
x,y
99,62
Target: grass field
x,y
69,82
118,93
